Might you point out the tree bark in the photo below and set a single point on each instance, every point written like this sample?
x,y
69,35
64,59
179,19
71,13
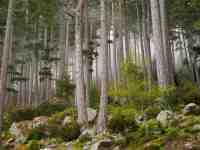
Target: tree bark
x,y
4,64
80,88
165,38
101,122
161,63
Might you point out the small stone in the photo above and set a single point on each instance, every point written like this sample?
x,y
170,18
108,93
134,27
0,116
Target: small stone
x,y
67,120
196,128
191,108
102,144
69,146
116,148
10,140
52,146
40,121
165,117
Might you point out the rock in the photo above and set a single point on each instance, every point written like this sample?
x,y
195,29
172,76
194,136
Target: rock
x,y
92,113
52,146
21,130
141,119
196,128
86,147
165,117
10,140
104,144
191,146
191,108
40,121
88,131
67,120
116,148
69,146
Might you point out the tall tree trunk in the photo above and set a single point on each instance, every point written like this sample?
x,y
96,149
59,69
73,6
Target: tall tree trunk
x,y
114,56
146,37
140,23
161,63
80,88
61,40
101,122
126,31
165,38
4,64
120,51
86,47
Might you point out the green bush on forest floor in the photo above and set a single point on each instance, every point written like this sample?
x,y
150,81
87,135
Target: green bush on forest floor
x,y
65,88
67,133
122,119
133,89
33,145
188,92
19,114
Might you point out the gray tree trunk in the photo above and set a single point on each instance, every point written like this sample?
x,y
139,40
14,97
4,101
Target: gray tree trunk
x,y
114,45
4,63
80,88
161,63
61,40
101,122
165,38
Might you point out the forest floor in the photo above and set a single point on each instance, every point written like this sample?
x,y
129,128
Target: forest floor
x,y
53,126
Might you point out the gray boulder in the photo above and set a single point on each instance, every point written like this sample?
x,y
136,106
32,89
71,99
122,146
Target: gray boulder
x,y
40,121
191,108
165,117
103,144
21,130
67,120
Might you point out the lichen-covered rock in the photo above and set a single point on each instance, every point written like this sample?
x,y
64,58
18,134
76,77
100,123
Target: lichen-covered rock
x,y
89,131
21,130
67,120
103,144
191,108
141,119
165,117
92,113
40,121
196,128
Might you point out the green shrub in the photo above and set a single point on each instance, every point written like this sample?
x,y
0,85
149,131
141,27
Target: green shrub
x,y
67,133
37,133
172,132
152,111
150,130
49,108
188,92
85,138
33,145
64,87
58,117
134,89
19,114
122,119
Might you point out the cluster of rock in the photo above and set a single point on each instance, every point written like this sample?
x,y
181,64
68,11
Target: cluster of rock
x,y
20,130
